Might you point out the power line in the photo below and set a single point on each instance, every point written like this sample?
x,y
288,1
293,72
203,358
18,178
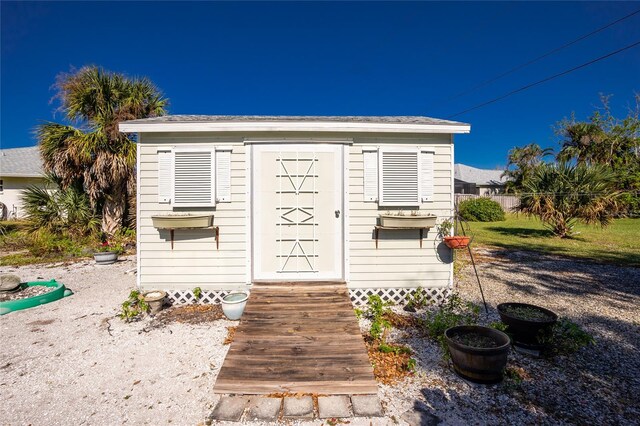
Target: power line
x,y
549,53
544,80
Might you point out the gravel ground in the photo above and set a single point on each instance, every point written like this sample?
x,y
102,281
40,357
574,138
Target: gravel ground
x,y
72,362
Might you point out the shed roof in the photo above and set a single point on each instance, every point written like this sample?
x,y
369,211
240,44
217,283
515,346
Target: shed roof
x,y
294,123
470,174
21,162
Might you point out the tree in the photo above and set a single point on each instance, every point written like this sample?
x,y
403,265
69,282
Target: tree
x,y
93,154
522,161
607,141
562,194
59,210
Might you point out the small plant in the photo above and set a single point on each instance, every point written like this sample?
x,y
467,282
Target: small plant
x,y
411,365
416,300
482,209
376,308
197,293
498,325
565,338
445,227
133,307
452,312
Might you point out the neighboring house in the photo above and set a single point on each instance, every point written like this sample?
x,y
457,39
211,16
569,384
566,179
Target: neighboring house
x,y
469,180
294,199
19,168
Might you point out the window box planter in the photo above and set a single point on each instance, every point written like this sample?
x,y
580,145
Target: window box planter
x,y
182,221
478,353
394,221
525,322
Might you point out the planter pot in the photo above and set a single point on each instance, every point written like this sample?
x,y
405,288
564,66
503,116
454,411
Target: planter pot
x,y
155,299
58,291
391,221
478,364
457,242
105,257
182,221
526,328
233,305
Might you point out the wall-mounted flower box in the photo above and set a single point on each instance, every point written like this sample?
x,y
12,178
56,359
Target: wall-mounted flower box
x,y
182,221
407,221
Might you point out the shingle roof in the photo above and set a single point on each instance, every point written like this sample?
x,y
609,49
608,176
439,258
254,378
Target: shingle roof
x,y
21,162
280,118
470,174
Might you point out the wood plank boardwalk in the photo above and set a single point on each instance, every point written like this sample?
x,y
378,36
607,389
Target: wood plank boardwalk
x,y
297,337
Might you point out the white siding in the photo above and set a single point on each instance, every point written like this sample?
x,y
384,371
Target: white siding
x,y
398,261
194,262
11,194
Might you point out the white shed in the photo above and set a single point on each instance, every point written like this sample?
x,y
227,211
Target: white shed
x,y
292,199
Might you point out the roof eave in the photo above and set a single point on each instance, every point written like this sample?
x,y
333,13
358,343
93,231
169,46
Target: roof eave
x,y
282,126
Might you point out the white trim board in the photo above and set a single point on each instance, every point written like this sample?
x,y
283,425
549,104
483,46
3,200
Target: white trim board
x,y
295,126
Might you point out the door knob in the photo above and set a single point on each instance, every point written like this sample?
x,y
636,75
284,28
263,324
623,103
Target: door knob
x,y
337,213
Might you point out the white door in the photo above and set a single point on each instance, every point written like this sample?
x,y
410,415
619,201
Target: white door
x,y
297,218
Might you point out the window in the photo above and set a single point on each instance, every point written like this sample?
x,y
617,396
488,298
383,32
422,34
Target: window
x,y
396,176
1,186
193,177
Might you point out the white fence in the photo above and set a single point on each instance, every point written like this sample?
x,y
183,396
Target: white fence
x,y
508,202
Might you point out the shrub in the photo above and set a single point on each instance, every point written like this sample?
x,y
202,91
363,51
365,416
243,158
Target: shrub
x,y
450,313
481,210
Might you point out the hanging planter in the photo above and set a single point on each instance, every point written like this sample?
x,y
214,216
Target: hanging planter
x,y
457,242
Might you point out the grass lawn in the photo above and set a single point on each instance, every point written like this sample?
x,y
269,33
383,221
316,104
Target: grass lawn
x,y
619,243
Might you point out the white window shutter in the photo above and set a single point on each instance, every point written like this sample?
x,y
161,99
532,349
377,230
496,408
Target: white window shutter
x,y
165,176
194,178
426,176
399,179
370,156
223,175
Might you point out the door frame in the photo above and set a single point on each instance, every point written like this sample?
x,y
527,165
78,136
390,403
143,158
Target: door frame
x,y
342,164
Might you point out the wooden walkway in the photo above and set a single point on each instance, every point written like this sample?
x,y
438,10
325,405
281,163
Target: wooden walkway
x,y
297,337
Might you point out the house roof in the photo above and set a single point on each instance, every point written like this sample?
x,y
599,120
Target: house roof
x,y
397,124
470,174
21,162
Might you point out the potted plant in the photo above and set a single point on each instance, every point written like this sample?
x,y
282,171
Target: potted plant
x,y
413,220
155,300
526,323
105,254
478,354
233,304
453,242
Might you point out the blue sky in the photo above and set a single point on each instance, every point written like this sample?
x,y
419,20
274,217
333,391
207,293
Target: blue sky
x,y
330,59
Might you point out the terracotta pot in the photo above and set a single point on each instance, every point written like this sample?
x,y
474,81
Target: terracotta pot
x,y
457,242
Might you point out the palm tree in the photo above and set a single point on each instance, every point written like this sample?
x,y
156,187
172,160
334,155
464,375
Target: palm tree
x,y
522,162
93,154
562,194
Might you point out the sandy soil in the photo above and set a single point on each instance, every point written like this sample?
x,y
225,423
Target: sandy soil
x,y
73,362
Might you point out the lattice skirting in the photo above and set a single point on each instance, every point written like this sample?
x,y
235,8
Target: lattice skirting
x,y
359,296
177,297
